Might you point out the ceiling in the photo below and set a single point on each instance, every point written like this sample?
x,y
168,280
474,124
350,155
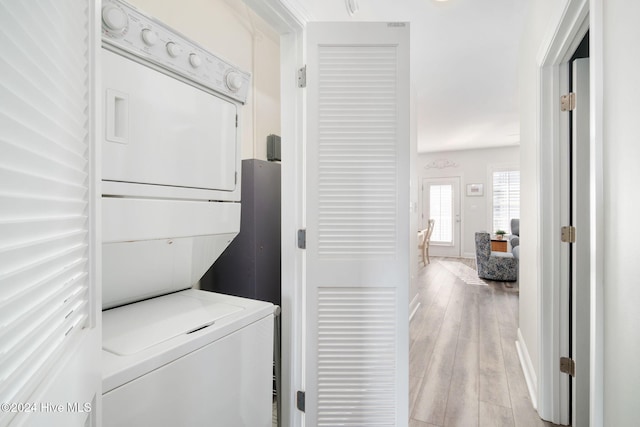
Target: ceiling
x,y
464,56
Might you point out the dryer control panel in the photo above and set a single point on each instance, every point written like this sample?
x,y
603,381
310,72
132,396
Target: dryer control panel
x,y
142,38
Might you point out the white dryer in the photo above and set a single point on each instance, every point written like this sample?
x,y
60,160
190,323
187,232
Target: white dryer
x,y
173,355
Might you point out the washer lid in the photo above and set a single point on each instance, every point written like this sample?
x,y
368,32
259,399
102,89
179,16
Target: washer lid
x,y
133,328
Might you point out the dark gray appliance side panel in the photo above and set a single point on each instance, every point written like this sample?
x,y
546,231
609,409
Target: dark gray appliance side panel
x,y
267,223
250,266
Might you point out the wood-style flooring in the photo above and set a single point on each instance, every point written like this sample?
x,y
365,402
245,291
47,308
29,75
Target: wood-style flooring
x,y
464,368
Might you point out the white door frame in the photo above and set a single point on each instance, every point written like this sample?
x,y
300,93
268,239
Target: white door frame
x,y
556,49
290,23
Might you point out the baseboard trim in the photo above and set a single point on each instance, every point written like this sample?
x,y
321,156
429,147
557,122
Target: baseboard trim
x,y
527,368
414,306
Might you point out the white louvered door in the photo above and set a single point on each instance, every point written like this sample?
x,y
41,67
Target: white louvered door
x,y
49,304
357,210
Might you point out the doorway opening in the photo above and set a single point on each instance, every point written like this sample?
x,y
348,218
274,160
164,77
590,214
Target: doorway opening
x,y
441,202
563,204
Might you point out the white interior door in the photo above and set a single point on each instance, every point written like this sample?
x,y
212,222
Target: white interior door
x,y
357,210
49,249
580,250
441,202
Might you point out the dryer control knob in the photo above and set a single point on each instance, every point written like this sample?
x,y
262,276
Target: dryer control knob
x,y
149,37
114,18
234,81
195,60
173,49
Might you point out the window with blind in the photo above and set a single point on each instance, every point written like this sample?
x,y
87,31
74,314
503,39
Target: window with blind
x,y
506,198
45,190
441,210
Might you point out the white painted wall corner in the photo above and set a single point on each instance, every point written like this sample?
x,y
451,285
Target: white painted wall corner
x,y
527,368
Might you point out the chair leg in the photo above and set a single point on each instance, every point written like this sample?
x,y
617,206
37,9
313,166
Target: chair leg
x,y
424,260
426,250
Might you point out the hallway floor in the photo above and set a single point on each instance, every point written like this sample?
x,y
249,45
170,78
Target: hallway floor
x,y
464,368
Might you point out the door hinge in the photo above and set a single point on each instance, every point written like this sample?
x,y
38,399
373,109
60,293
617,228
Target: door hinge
x,y
302,238
302,77
300,397
568,234
568,102
568,366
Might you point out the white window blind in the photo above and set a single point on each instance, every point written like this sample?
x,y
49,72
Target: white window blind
x,y
441,210
506,198
44,188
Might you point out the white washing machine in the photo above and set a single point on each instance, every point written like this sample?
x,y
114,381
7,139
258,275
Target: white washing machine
x,y
192,358
173,355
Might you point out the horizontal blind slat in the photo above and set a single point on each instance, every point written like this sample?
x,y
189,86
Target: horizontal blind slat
x,y
506,198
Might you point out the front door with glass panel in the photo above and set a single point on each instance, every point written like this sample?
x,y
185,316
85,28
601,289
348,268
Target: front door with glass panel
x,y
441,202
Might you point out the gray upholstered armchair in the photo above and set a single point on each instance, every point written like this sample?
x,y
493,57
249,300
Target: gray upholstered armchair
x,y
515,237
501,266
515,232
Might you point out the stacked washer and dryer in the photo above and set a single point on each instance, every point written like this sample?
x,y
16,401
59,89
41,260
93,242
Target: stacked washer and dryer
x,y
173,355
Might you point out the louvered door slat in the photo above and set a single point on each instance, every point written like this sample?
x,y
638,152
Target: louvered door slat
x,y
26,45
373,113
357,225
38,152
44,189
53,123
14,232
34,94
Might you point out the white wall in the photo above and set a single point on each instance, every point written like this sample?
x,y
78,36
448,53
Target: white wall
x,y
473,167
232,31
536,27
622,205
